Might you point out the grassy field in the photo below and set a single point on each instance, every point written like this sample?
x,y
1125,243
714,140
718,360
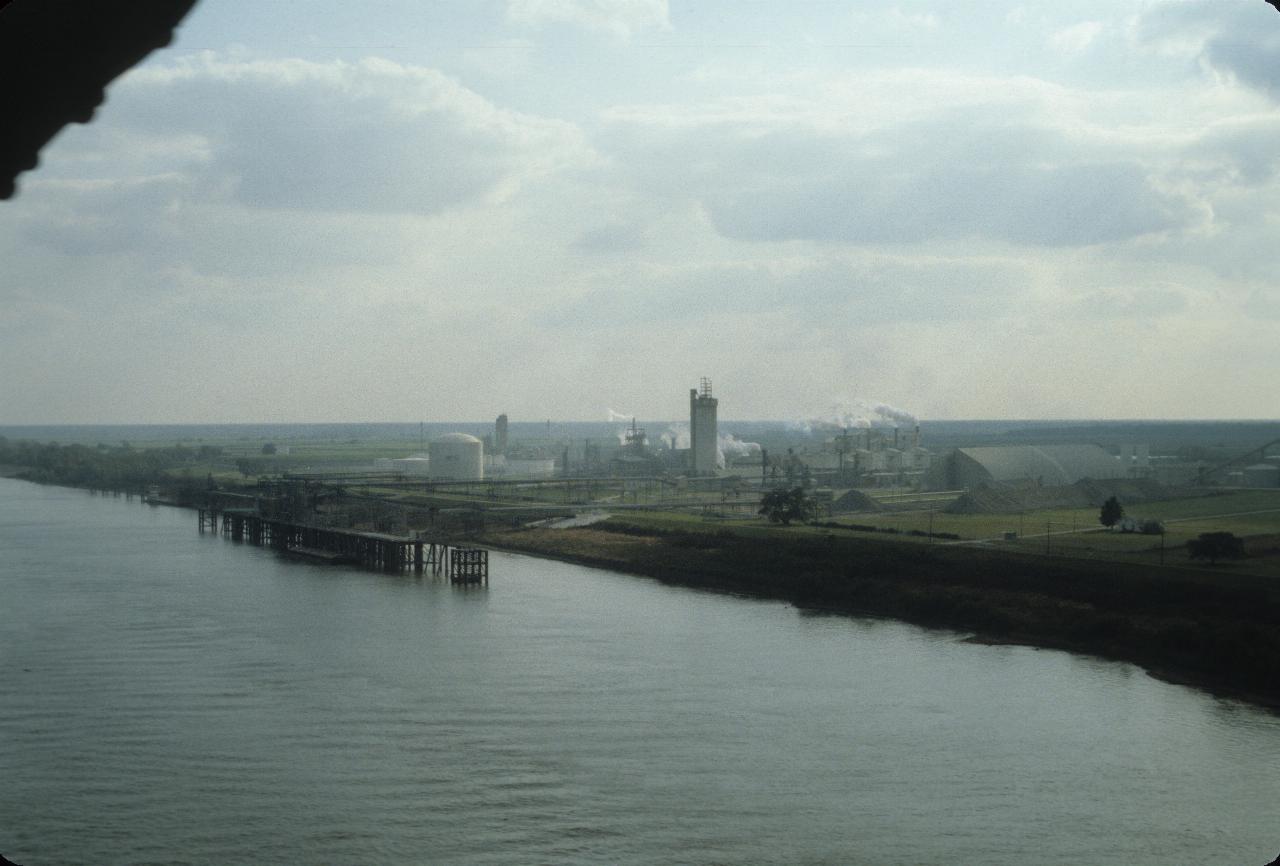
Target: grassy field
x,y
1252,514
1231,511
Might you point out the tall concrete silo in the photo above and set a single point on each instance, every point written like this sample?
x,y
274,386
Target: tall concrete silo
x,y
500,434
703,441
458,457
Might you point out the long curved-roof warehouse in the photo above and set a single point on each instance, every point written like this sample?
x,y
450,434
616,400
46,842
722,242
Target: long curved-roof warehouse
x,y
1045,464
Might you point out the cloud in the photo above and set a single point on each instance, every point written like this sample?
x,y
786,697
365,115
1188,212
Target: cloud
x,y
612,238
1241,40
1076,38
621,18
371,136
867,202
799,206
888,24
816,292
1002,174
1144,302
1245,148
1253,58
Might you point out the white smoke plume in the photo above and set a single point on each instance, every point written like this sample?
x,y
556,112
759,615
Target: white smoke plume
x,y
840,416
854,414
728,445
676,436
896,416
735,447
613,416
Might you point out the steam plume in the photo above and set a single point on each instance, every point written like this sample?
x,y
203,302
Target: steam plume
x,y
859,414
728,445
677,435
897,416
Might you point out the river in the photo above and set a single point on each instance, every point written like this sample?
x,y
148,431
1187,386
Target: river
x,y
167,697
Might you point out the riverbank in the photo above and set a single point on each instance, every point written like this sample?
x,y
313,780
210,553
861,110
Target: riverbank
x,y
1217,629
1212,629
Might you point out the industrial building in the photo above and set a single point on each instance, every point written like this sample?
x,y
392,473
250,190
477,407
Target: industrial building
x,y
1261,475
704,445
635,457
1047,465
1135,460
865,457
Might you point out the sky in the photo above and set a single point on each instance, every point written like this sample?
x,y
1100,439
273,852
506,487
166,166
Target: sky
x,y
446,209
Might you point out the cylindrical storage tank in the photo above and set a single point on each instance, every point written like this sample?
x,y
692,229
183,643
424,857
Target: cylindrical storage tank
x,y
420,466
457,456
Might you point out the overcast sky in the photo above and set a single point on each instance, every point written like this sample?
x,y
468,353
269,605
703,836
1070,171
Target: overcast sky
x,y
446,209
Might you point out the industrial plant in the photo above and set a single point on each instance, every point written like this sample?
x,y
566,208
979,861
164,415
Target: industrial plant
x,y
696,452
854,459
874,448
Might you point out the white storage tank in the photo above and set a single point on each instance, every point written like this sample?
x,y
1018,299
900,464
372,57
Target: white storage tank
x,y
457,456
416,465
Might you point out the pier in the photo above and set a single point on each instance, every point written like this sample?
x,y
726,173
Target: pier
x,y
374,550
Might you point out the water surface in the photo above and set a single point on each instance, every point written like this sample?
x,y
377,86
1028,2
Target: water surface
x,y
167,697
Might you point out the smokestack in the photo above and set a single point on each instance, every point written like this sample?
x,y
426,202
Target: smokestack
x,y
895,437
916,444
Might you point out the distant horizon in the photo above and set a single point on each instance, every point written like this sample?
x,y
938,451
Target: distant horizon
x,y
639,419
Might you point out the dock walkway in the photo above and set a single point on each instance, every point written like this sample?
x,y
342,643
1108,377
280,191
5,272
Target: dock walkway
x,y
374,550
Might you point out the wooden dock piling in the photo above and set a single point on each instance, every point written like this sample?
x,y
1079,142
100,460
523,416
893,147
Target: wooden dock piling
x,y
371,549
469,565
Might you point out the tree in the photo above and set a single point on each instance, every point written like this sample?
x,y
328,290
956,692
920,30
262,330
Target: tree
x,y
783,506
269,448
1112,511
1216,545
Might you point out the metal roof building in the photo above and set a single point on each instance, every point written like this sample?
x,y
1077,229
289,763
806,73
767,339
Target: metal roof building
x,y
1261,475
1048,465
